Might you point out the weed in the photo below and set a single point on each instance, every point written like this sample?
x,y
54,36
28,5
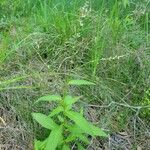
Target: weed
x,y
65,131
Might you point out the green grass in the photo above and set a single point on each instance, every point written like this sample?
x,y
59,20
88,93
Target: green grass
x,y
43,43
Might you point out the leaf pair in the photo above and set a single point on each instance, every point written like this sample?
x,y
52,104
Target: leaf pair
x,y
68,102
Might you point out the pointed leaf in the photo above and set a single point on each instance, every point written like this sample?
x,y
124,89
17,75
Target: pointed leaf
x,y
81,111
60,118
74,129
75,136
98,131
70,138
65,147
44,121
54,138
56,111
83,138
49,98
80,121
80,82
80,147
86,126
39,145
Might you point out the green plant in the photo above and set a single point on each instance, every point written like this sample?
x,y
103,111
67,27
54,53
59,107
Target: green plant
x,y
66,125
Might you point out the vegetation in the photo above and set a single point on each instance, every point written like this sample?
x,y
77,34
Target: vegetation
x,y
66,132
45,43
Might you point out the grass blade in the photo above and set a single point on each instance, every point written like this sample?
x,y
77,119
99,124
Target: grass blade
x,y
80,82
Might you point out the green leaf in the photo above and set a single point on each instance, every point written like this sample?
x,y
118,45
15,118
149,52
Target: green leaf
x,y
37,145
6,82
98,131
60,118
44,121
40,145
81,111
80,147
75,129
83,138
69,100
85,126
70,138
80,82
80,121
49,98
17,87
65,147
56,111
74,136
54,138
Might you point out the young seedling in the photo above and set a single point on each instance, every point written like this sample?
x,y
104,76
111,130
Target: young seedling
x,y
66,125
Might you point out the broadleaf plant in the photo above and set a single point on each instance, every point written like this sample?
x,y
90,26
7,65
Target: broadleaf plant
x,y
66,125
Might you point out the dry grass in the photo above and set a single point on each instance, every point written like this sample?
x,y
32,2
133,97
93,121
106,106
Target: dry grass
x,y
43,45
